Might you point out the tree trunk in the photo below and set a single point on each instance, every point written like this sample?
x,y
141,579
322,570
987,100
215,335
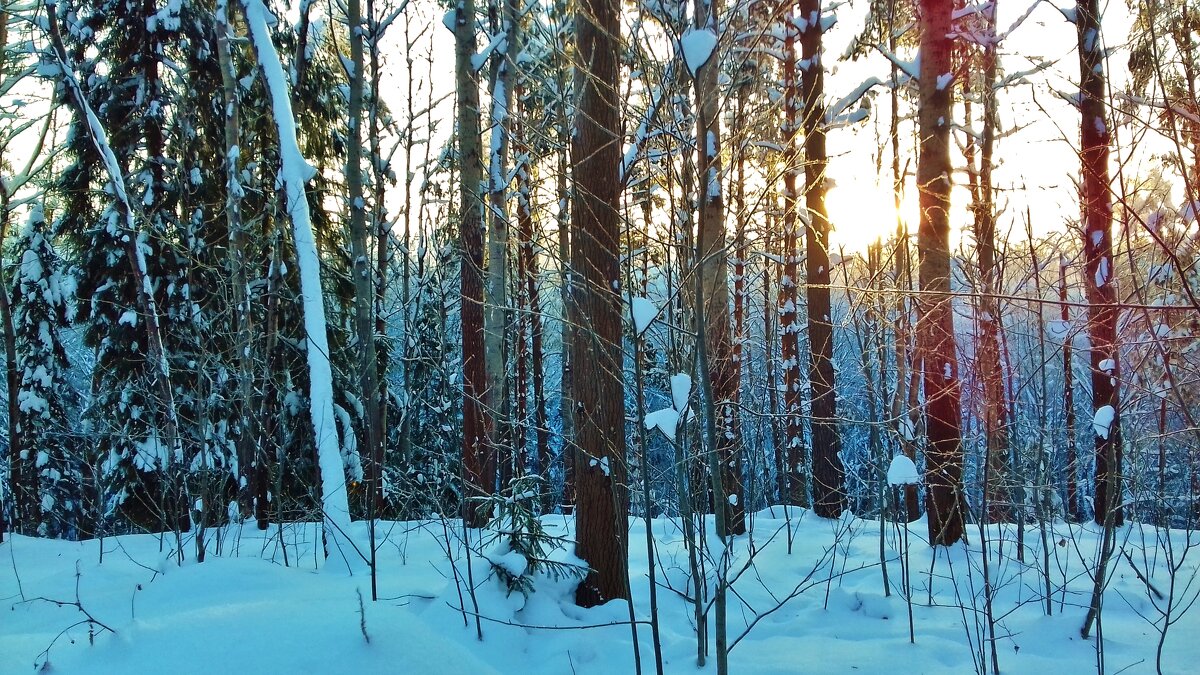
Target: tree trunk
x,y
22,478
901,412
479,464
602,521
237,264
363,271
383,236
789,324
294,172
712,258
533,315
829,495
10,352
1073,513
495,308
1099,276
935,330
995,416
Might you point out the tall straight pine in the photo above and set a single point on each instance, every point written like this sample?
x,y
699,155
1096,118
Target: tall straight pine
x,y
602,496
935,330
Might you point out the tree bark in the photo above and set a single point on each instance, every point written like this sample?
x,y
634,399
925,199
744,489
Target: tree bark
x,y
1073,513
334,501
789,324
237,264
479,464
1099,276
363,270
602,522
935,329
495,308
713,258
991,373
829,495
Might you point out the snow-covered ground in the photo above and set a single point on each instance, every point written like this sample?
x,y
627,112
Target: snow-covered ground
x,y
820,608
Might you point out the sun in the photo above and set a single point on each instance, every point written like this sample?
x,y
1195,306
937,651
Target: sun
x,y
862,212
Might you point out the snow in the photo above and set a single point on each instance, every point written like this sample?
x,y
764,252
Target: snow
x,y
243,610
603,464
1058,329
681,389
644,313
697,46
510,561
902,471
1102,273
1103,420
665,420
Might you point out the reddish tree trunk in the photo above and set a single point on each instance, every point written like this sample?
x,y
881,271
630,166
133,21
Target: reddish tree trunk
x,y
479,464
1099,276
935,329
602,496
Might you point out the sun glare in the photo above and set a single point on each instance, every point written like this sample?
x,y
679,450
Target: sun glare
x,y
862,213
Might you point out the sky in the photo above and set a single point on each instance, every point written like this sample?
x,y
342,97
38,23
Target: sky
x,y
1037,163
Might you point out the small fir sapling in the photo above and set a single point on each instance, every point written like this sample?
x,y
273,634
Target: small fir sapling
x,y
516,545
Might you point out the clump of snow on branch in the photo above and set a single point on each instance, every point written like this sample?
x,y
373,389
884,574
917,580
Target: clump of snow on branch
x,y
698,46
644,313
902,471
1103,420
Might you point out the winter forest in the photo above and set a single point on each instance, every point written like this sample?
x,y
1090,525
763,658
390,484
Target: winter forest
x,y
605,336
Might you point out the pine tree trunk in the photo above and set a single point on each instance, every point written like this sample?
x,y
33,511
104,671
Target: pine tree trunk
x,y
22,480
829,495
479,464
533,315
1099,275
945,502
602,520
495,308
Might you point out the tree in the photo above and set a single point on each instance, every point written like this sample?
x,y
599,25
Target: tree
x,y
1099,274
829,495
713,284
944,499
991,373
594,312
479,464
17,175
789,323
495,309
42,297
364,274
294,172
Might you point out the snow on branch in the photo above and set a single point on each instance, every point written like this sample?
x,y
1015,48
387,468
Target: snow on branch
x,y
295,171
697,45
